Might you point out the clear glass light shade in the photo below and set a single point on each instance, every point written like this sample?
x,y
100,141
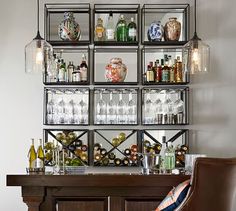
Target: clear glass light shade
x,y
196,56
38,56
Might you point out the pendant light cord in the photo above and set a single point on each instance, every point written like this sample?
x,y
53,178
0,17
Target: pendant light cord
x,y
195,15
38,15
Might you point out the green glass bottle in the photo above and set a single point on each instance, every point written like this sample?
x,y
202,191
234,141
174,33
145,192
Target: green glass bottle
x,y
121,30
132,32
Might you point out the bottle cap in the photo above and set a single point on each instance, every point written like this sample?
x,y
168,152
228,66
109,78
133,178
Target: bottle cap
x,y
132,19
122,16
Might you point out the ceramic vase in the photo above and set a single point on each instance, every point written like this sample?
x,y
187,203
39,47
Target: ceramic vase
x,y
155,31
172,30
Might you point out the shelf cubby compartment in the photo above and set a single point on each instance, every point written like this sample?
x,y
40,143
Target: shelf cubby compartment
x,y
69,54
116,148
163,12
154,53
116,106
152,142
74,143
54,16
165,106
66,106
116,66
103,11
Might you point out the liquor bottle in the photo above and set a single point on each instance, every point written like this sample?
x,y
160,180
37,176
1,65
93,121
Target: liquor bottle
x,y
121,30
40,156
162,153
76,74
158,71
84,148
132,32
99,30
150,74
70,70
110,29
83,69
117,162
112,156
78,143
62,71
179,70
32,156
169,157
165,73
171,69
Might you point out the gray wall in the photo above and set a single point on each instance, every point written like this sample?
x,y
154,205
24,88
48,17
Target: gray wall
x,y
212,99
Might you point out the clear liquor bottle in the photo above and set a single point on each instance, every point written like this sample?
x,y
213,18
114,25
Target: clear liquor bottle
x,y
110,29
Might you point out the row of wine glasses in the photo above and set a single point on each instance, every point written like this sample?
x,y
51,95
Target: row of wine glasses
x,y
163,107
67,106
116,107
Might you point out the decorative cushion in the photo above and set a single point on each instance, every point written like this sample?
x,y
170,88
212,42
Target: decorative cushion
x,y
174,197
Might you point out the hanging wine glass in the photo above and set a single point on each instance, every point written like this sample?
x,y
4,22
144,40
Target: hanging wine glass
x,y
101,109
51,108
83,109
148,109
70,108
158,109
61,107
178,108
111,110
132,109
121,109
167,108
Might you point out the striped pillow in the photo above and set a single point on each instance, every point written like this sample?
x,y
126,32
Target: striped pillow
x,y
174,197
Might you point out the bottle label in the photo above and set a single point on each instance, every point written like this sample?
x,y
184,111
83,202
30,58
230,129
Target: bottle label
x,y
39,163
150,76
83,74
132,32
61,74
70,71
75,76
165,76
110,34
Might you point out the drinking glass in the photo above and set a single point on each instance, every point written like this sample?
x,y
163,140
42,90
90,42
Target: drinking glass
x,y
83,109
111,110
51,108
158,109
168,108
148,109
178,109
61,108
101,109
121,109
132,109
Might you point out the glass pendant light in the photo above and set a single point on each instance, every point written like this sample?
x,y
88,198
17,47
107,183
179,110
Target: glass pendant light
x,y
196,53
38,53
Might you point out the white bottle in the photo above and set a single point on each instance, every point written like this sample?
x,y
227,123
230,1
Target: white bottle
x,y
110,30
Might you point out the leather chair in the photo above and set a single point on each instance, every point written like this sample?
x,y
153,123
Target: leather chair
x,y
213,186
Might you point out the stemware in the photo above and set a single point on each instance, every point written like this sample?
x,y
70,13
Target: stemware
x,y
167,108
121,109
178,109
131,109
101,109
111,110
51,108
148,109
61,109
158,109
83,109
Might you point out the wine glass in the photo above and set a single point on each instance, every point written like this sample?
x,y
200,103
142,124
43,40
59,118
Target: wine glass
x,y
51,108
61,108
148,109
101,109
178,109
132,109
167,108
111,110
70,108
158,109
121,109
83,109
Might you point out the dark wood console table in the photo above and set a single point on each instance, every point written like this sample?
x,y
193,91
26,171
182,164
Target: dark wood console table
x,y
98,192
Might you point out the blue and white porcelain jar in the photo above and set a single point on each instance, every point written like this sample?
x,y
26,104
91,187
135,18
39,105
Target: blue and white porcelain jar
x,y
69,29
155,31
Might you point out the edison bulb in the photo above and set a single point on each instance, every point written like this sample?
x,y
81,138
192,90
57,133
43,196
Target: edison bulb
x,y
39,56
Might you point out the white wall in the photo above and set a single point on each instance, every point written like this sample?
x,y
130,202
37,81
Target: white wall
x,y
212,102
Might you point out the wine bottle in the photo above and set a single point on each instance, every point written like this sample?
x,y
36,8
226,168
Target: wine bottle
x,y
117,162
97,157
103,151
84,148
105,162
97,146
134,148
132,33
111,156
125,162
83,69
32,156
40,155
127,151
121,30
110,30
